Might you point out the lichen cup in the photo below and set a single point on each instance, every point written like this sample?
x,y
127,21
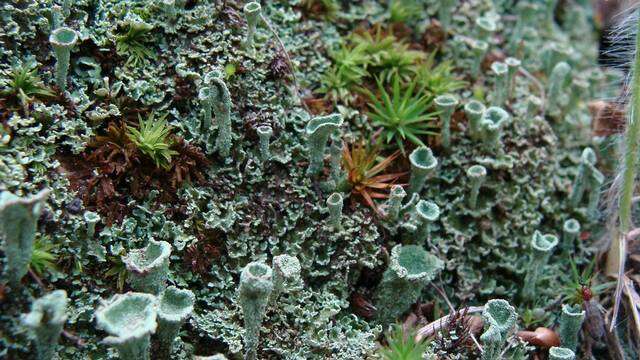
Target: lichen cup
x,y
62,40
423,164
130,319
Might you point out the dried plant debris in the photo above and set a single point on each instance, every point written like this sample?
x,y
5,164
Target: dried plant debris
x,y
265,180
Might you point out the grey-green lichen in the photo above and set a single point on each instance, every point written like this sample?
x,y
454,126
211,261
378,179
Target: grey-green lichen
x,y
476,174
494,119
410,269
245,216
499,319
256,285
423,164
18,226
571,320
424,214
334,204
252,14
174,307
264,134
45,322
501,86
286,272
317,131
63,40
446,104
129,319
474,110
148,267
561,353
541,248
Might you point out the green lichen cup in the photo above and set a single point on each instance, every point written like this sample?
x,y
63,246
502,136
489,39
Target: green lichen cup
x,y
410,269
256,285
148,267
174,307
476,174
561,353
46,321
474,110
446,105
130,319
317,131
423,164
63,40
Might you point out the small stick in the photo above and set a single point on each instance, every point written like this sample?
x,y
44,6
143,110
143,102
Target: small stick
x,y
434,326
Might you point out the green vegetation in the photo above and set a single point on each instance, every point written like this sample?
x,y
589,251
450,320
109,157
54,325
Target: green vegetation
x,y
152,137
23,82
401,345
403,113
134,43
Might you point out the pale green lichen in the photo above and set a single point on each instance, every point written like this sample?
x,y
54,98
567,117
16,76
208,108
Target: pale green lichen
x,y
264,134
46,321
541,248
479,49
394,203
129,319
476,174
410,269
256,285
570,233
474,110
571,320
317,131
493,121
423,164
63,40
446,104
499,319
148,267
91,219
424,214
286,272
174,307
501,85
18,225
334,204
252,14
561,353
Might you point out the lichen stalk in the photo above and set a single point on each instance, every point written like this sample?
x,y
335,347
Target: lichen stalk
x,y
62,40
541,248
410,269
18,226
264,135
499,319
334,204
317,131
474,110
45,322
446,104
174,307
476,174
571,320
423,164
129,319
256,285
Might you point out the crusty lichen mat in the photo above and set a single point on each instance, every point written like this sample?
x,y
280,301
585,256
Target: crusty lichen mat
x,y
318,179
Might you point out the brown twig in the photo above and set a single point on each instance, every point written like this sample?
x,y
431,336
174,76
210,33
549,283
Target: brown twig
x,y
435,326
